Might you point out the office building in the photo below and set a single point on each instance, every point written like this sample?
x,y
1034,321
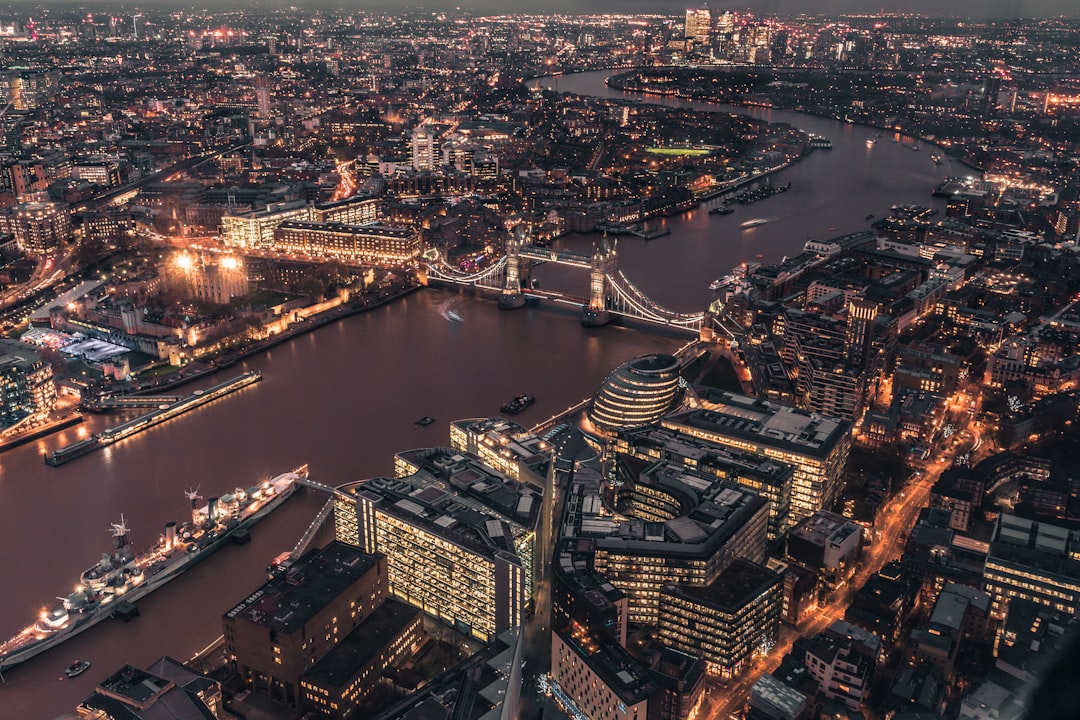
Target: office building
x,y
682,528
825,542
1033,561
636,393
336,684
459,537
27,387
726,622
254,230
40,228
367,244
600,679
505,446
355,210
768,478
816,447
280,631
698,25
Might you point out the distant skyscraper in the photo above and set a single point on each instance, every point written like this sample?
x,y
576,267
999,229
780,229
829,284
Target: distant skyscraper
x,y
860,325
262,97
425,149
698,24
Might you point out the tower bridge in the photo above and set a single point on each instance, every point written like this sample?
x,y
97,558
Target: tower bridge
x,y
610,291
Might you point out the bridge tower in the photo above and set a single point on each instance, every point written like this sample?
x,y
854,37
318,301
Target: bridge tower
x,y
605,261
512,297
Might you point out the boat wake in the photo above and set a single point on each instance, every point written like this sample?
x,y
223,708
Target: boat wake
x,y
449,310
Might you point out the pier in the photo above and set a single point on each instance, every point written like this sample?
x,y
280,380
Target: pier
x,y
155,417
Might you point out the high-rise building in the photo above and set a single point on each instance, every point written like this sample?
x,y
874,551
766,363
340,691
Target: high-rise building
x,y
40,228
26,383
815,446
698,25
425,149
750,471
505,446
727,622
860,328
262,96
684,528
459,537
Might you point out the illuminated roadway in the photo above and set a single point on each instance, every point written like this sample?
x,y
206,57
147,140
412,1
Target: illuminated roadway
x,y
890,531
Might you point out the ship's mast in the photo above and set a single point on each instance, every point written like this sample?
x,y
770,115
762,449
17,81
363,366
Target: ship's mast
x,y
194,497
119,532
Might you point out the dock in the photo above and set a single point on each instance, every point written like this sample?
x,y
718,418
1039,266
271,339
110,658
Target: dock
x,y
144,422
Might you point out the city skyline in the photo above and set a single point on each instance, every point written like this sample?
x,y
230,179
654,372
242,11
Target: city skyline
x,y
961,9
683,365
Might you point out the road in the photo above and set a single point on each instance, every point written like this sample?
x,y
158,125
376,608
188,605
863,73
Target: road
x,y
537,653
892,528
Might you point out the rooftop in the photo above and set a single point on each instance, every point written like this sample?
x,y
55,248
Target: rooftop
x,y
357,649
292,598
738,585
765,423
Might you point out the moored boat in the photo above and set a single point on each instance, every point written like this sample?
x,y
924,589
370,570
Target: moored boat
x,y
123,576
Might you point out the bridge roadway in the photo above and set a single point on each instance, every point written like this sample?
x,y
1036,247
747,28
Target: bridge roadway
x,y
562,257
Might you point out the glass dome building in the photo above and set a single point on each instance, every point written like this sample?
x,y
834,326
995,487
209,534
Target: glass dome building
x,y
638,392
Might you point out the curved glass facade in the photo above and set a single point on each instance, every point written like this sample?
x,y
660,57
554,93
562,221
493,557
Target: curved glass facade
x,y
638,392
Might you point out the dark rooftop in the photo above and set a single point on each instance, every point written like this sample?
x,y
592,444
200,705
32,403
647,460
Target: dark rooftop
x,y
736,586
366,641
294,597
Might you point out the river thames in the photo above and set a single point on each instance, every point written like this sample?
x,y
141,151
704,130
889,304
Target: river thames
x,y
345,398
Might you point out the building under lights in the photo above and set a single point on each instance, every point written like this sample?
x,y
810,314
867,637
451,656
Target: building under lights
x,y
768,478
355,210
1033,561
368,244
283,629
40,228
254,230
459,537
698,26
504,446
216,279
26,383
601,679
815,446
636,393
682,528
727,622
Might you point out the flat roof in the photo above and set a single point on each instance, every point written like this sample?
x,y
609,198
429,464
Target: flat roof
x,y
776,694
366,641
292,598
733,589
765,423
